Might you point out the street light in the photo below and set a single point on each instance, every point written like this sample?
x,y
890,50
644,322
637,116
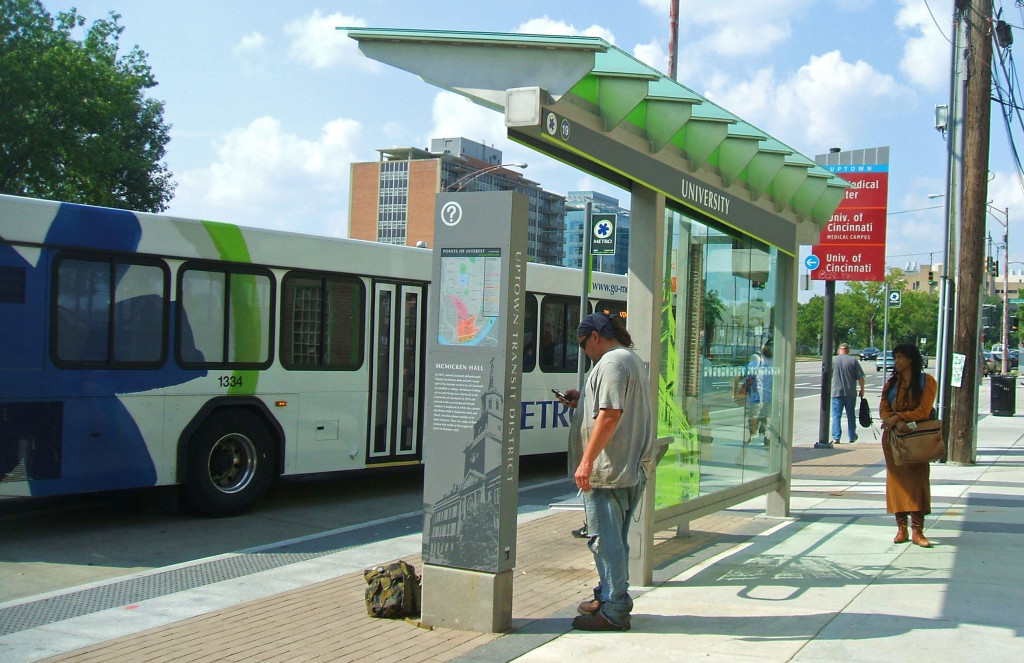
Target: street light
x,y
1006,282
460,183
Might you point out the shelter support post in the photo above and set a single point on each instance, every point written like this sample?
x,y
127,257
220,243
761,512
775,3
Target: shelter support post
x,y
777,505
646,267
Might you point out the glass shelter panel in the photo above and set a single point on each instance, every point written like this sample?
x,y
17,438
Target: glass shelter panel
x,y
718,364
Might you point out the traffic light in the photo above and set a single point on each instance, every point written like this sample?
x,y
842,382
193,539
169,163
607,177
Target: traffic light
x,y
995,268
931,277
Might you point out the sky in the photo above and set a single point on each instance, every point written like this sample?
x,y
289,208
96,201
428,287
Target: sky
x,y
269,104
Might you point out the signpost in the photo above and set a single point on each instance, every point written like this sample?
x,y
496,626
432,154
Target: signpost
x,y
851,247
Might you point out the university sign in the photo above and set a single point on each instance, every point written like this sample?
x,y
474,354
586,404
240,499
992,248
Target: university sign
x,y
851,247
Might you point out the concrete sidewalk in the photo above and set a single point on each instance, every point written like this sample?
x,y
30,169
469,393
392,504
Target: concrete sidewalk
x,y
826,584
830,585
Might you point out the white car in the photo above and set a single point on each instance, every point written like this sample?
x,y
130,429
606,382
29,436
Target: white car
x,y
886,357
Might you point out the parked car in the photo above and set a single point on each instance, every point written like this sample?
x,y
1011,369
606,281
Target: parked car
x,y
988,364
888,361
1013,357
868,353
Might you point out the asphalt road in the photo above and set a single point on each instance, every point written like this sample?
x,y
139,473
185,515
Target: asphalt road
x,y
55,543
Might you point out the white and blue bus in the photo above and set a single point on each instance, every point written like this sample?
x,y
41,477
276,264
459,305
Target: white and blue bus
x,y
142,350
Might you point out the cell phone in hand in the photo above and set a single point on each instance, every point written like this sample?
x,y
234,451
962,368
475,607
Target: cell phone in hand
x,y
560,394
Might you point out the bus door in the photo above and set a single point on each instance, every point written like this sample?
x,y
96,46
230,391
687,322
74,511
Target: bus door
x,y
396,390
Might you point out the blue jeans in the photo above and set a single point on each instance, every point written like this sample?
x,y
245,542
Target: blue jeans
x,y
609,514
848,403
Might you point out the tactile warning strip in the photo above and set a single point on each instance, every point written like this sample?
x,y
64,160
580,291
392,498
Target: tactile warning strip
x,y
126,592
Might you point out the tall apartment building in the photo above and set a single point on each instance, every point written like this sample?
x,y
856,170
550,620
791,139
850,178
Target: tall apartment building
x,y
575,214
392,199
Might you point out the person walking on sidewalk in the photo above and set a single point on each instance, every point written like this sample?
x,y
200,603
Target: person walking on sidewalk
x,y
610,454
907,396
753,390
846,374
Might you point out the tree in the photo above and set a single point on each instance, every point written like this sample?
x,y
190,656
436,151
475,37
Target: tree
x,y
75,124
862,309
809,318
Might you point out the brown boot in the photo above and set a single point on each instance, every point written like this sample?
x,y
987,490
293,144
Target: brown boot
x,y
901,528
917,530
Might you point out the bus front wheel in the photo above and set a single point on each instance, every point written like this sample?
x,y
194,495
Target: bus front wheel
x,y
231,464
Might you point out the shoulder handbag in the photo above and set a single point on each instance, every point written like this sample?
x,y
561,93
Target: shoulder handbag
x,y
865,413
920,444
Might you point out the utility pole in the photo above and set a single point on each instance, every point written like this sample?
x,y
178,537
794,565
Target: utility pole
x,y
964,410
954,184
673,39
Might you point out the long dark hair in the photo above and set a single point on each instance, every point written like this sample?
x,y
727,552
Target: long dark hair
x,y
621,335
910,351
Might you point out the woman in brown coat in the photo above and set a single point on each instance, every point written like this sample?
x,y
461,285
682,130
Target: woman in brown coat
x,y
907,396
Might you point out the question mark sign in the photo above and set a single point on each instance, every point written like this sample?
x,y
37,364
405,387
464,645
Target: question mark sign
x,y
451,213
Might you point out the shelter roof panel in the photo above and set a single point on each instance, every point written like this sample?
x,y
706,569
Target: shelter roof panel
x,y
637,113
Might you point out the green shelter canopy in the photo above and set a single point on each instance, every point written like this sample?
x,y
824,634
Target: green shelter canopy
x,y
585,102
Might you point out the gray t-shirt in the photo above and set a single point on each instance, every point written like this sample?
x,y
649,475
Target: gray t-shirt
x,y
846,374
619,382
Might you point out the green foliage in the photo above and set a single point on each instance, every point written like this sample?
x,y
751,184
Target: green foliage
x,y
75,124
862,309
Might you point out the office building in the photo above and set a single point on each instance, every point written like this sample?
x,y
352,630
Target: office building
x,y
392,199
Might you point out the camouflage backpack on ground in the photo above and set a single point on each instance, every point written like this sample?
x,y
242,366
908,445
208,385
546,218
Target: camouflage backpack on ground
x,y
392,590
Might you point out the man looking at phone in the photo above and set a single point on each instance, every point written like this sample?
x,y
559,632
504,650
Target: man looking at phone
x,y
609,447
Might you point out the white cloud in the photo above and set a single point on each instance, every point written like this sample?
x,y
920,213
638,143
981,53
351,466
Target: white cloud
x,y
550,26
653,55
734,27
813,104
317,42
253,42
926,54
658,6
267,177
457,116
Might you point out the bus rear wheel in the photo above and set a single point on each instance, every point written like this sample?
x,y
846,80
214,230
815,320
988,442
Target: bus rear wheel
x,y
232,461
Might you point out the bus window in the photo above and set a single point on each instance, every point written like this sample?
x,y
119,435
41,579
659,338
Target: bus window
x,y
110,313
530,334
559,318
225,315
321,322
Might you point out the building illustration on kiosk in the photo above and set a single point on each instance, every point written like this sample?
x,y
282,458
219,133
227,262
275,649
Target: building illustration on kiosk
x,y
462,526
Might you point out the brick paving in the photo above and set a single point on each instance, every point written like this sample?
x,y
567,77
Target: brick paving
x,y
327,622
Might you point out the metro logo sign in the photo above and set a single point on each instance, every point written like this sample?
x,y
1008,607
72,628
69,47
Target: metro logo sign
x,y
852,245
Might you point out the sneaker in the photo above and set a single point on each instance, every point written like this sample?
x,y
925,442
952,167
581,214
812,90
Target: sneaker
x,y
590,607
853,440
581,533
835,441
597,622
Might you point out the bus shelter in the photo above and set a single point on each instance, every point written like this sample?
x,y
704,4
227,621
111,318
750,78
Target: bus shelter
x,y
718,211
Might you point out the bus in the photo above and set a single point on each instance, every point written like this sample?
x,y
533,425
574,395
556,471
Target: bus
x,y
141,350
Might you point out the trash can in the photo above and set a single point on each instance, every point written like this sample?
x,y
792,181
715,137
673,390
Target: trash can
x,y
1004,395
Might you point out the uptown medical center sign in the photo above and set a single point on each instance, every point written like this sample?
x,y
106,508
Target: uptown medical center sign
x,y
852,245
